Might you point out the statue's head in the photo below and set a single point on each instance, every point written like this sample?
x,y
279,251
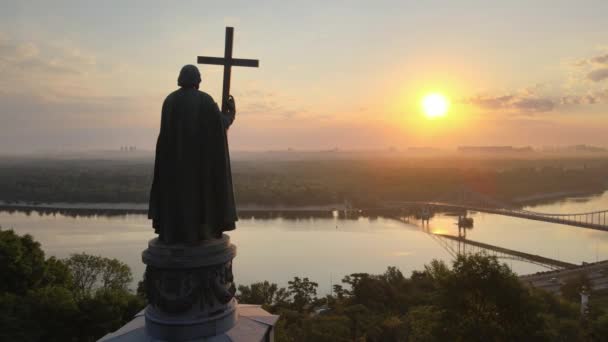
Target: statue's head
x,y
189,77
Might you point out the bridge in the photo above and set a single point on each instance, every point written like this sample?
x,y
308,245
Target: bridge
x,y
559,271
464,245
467,200
457,245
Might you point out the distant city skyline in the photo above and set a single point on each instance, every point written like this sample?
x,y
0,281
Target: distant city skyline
x,y
84,75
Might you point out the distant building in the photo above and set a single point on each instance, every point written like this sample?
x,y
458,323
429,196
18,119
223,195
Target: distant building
x,y
422,149
494,149
128,148
575,148
586,148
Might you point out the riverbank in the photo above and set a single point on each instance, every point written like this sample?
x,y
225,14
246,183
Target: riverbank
x,y
142,208
244,209
552,197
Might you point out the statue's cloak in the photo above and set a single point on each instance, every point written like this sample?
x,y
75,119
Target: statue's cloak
x,y
192,197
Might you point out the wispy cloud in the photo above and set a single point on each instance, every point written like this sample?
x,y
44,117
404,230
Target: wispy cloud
x,y
601,59
584,87
29,59
598,75
594,69
520,103
269,104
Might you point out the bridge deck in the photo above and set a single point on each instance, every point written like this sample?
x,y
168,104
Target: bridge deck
x,y
533,257
560,219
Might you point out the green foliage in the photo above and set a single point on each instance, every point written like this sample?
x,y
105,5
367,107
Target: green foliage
x,y
90,272
476,299
424,323
483,299
600,326
270,296
310,181
57,273
56,300
326,329
571,288
85,270
12,326
21,262
304,292
106,311
115,275
51,312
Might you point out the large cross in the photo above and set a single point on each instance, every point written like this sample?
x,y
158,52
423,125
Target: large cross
x,y
228,62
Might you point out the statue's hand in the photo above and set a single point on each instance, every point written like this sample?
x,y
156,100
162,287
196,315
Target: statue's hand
x,y
231,105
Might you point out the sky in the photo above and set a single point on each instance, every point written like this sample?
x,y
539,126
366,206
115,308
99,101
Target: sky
x,y
83,74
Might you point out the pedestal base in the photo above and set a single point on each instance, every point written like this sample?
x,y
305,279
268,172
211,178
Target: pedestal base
x,y
254,325
190,289
169,328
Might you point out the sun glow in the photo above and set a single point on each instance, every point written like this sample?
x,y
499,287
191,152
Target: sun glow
x,y
435,105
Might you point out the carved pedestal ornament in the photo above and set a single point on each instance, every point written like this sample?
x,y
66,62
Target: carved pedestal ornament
x,y
190,289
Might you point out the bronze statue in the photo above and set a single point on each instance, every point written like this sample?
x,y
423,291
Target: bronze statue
x,y
192,197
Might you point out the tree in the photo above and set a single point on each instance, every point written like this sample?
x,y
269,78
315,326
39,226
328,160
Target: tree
x,y
57,273
12,325
115,275
51,312
85,270
326,329
21,262
484,300
600,326
392,328
304,292
571,289
105,311
269,295
359,319
54,300
424,323
257,293
90,272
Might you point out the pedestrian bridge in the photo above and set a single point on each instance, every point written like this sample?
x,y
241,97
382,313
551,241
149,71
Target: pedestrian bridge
x,y
466,200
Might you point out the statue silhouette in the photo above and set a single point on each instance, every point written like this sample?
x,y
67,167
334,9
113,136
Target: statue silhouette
x,y
192,197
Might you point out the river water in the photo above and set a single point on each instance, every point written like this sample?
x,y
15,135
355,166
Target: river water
x,y
326,249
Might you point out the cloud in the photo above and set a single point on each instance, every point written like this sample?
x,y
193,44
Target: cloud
x,y
602,59
583,88
270,104
578,99
534,105
594,69
599,60
520,103
20,111
23,62
27,50
598,75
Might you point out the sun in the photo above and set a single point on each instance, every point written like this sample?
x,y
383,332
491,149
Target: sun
x,y
435,105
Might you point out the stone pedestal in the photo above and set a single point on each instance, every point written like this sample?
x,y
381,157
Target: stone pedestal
x,y
190,289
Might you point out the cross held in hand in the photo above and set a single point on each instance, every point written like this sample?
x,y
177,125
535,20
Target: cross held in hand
x,y
228,62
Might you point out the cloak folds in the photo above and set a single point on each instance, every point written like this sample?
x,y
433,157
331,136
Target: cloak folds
x,y
192,197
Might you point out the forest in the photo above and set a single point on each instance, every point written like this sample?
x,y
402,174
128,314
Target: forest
x,y
476,298
364,182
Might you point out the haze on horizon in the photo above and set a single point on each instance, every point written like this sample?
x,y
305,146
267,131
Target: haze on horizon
x,y
92,75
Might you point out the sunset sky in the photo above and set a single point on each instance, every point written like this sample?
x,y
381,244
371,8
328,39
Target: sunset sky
x,y
347,74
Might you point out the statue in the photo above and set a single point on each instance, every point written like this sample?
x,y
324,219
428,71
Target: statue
x,y
192,197
188,281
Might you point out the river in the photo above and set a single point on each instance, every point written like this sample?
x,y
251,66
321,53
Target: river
x,y
325,249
